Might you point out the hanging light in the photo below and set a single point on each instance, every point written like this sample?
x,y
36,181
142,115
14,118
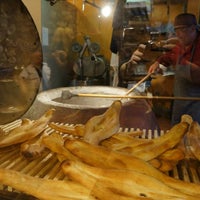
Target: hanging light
x,y
106,10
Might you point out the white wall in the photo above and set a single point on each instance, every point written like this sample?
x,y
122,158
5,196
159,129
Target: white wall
x,y
34,7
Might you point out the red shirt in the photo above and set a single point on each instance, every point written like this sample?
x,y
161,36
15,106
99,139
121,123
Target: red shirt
x,y
180,55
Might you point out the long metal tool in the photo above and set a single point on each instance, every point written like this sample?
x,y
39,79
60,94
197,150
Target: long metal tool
x,y
69,95
138,97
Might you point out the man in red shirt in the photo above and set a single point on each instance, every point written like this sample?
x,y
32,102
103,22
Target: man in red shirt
x,y
185,56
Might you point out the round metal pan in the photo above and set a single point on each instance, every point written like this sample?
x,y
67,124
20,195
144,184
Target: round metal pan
x,y
20,49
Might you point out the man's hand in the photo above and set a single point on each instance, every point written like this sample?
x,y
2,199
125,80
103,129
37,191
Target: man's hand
x,y
138,53
155,68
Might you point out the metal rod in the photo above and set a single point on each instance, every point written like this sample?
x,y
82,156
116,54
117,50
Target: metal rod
x,y
139,97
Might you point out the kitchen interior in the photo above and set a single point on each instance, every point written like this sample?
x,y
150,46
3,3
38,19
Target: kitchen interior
x,y
82,50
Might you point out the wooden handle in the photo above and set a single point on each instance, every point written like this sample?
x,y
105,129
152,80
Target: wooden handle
x,y
138,83
140,97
